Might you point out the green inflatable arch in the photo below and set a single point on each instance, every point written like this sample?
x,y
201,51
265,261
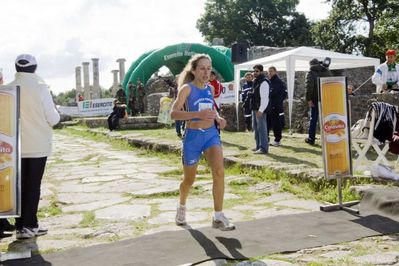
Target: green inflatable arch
x,y
175,57
133,67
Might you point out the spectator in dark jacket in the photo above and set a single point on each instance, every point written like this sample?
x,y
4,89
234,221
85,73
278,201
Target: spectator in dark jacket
x,y
246,101
317,69
119,111
275,110
140,96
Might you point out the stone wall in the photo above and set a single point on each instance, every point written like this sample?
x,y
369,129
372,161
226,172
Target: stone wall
x,y
356,77
228,112
136,122
300,110
156,86
360,103
256,52
153,102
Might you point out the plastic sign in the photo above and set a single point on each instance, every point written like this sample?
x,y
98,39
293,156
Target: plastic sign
x,y
334,123
228,95
96,107
10,179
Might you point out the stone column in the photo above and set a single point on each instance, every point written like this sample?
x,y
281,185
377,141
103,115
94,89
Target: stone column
x,y
121,62
86,81
78,77
115,86
96,79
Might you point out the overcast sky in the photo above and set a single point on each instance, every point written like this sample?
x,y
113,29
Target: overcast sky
x,y
62,34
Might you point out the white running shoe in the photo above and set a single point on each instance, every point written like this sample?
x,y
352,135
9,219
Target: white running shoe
x,y
38,231
260,151
223,223
275,143
25,233
181,216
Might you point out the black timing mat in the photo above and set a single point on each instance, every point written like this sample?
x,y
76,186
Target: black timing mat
x,y
253,238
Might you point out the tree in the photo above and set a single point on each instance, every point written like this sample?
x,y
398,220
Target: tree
x,y
260,22
106,93
386,32
65,98
358,26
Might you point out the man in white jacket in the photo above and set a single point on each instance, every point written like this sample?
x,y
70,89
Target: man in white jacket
x,y
259,103
38,116
386,77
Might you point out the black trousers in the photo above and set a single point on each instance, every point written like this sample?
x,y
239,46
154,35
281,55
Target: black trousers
x,y
275,121
248,123
32,170
3,224
113,121
247,117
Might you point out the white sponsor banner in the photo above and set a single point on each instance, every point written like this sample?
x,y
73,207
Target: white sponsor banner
x,y
68,110
228,95
97,107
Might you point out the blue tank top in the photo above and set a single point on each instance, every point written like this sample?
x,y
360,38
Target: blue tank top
x,y
199,99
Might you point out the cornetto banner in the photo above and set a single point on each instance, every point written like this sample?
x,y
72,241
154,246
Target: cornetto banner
x,y
97,107
10,180
334,123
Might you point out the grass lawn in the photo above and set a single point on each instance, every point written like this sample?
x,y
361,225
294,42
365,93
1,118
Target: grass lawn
x,y
293,149
294,153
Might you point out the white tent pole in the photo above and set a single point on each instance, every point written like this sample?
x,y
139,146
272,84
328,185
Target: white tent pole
x,y
290,66
237,87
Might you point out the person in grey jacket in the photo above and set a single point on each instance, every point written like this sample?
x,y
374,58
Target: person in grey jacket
x,y
317,69
38,116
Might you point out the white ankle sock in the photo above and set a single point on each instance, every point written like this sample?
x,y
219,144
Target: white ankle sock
x,y
217,215
181,206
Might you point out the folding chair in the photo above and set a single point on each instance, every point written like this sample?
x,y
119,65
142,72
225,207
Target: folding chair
x,y
362,146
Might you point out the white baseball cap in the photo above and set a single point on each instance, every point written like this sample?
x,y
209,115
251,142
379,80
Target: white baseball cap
x,y
30,58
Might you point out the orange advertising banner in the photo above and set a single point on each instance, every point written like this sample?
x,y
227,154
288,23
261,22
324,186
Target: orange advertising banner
x,y
334,123
9,152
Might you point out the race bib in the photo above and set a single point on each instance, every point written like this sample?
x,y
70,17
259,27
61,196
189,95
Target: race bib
x,y
203,106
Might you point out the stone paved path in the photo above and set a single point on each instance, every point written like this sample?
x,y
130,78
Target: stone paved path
x,y
93,193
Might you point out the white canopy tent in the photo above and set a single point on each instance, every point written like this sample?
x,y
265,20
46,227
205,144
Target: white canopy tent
x,y
298,60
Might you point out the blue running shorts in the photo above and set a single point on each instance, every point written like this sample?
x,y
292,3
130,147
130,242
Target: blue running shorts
x,y
197,141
